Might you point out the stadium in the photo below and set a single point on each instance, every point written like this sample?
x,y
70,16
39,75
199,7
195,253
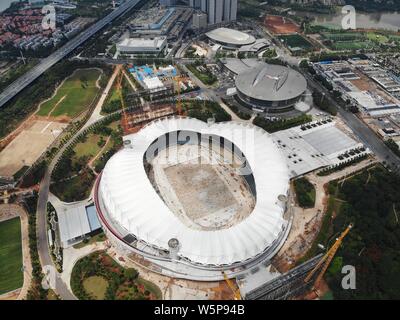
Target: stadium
x,y
230,38
269,87
194,199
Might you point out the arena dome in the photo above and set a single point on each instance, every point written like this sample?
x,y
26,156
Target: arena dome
x,y
230,37
270,86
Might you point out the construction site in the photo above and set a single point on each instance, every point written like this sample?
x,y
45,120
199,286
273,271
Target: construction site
x,y
203,191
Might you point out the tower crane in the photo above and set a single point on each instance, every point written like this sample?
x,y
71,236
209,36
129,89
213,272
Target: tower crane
x,y
327,259
178,81
121,97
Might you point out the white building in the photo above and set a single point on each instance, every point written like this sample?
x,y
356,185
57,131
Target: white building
x,y
148,46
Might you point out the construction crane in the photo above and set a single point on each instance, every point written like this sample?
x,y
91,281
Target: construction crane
x,y
236,291
178,81
121,97
327,259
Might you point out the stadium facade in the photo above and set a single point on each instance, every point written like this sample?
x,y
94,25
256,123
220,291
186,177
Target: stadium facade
x,y
138,220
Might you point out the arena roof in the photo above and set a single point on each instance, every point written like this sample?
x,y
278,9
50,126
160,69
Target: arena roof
x,y
131,201
231,36
269,82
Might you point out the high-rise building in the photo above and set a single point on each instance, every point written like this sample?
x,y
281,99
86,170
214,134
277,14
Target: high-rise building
x,y
200,20
167,3
218,10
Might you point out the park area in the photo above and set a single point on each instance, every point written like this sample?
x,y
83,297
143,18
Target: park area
x,y
353,40
76,172
99,277
11,274
295,42
73,97
280,25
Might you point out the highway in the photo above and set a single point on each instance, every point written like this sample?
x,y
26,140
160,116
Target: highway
x,y
25,80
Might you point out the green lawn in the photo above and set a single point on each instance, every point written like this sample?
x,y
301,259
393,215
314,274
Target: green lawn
x,y
96,286
377,37
88,148
74,96
11,275
295,40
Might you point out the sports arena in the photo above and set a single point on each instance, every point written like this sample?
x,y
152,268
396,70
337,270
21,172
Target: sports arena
x,y
270,87
195,198
230,38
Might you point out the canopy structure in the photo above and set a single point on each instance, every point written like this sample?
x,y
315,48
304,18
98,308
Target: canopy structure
x,y
132,203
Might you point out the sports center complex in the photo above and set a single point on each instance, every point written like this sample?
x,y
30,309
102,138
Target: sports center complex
x,y
184,195
190,199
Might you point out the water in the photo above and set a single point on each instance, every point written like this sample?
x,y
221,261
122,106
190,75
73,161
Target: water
x,y
4,4
378,20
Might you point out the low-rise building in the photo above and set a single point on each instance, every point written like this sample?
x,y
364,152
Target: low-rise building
x,y
143,46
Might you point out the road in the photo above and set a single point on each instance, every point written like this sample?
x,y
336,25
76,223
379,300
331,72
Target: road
x,y
25,80
43,249
362,131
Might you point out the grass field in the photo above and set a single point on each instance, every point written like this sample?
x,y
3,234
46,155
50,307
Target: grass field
x,y
295,41
11,276
96,286
74,96
89,148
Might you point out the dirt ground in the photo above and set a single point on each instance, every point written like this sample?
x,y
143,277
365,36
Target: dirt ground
x,y
280,25
28,145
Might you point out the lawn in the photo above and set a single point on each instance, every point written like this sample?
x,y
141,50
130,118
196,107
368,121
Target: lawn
x,y
74,96
295,40
98,276
204,76
96,286
377,37
11,276
89,148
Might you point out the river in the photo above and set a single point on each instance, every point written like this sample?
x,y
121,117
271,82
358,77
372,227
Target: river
x,y
376,20
4,4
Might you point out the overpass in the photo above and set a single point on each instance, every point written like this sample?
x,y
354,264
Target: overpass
x,y
25,80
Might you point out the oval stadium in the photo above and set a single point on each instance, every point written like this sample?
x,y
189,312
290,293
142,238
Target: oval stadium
x,y
230,38
270,87
194,198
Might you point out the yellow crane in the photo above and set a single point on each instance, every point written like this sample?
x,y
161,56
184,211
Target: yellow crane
x,y
121,97
327,259
236,291
178,81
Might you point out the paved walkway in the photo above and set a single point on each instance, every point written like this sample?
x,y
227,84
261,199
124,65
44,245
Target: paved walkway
x,y
72,255
96,114
10,211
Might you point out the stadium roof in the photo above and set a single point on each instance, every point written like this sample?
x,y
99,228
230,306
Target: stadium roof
x,y
269,82
131,201
231,36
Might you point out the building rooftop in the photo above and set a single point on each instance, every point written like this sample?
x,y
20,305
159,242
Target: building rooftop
x,y
231,36
271,83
